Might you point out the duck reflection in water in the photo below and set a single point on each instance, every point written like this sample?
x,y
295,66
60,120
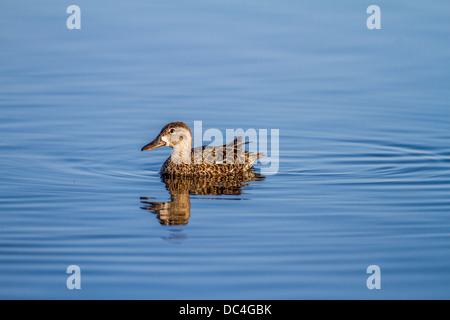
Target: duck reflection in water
x,y
178,210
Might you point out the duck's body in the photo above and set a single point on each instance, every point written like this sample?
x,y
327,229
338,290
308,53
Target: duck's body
x,y
208,160
229,159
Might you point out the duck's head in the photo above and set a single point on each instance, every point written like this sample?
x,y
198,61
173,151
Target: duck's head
x,y
175,135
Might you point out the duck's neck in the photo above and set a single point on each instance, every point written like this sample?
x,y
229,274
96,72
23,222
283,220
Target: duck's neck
x,y
181,152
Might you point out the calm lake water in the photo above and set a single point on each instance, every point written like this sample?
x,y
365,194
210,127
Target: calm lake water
x,y
364,171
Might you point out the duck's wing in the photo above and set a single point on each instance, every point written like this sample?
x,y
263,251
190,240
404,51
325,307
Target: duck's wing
x,y
231,153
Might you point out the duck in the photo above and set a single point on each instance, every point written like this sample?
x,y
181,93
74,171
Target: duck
x,y
206,161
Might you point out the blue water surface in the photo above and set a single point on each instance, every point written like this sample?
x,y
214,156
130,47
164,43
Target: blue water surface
x,y
364,153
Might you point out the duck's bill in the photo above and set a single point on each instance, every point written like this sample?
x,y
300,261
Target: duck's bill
x,y
154,144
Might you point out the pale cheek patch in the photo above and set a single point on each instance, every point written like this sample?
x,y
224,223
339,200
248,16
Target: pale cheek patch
x,y
165,140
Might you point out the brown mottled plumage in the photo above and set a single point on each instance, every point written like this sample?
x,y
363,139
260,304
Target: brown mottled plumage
x,y
229,159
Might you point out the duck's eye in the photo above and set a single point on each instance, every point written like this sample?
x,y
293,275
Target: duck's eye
x,y
172,130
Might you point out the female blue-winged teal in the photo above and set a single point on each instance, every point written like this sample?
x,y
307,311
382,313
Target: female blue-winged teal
x,y
229,159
